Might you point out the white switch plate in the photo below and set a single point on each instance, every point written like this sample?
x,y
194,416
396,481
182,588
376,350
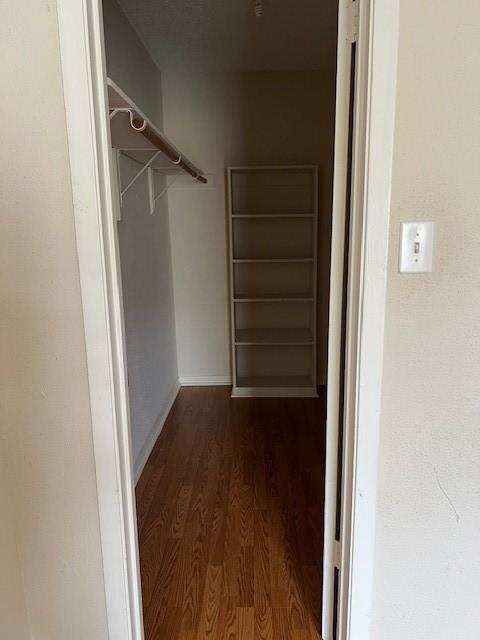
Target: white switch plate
x,y
416,247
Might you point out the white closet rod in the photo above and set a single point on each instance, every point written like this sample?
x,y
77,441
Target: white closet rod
x,y
143,127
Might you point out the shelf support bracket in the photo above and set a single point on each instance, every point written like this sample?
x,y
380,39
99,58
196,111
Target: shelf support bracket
x,y
139,173
168,185
151,188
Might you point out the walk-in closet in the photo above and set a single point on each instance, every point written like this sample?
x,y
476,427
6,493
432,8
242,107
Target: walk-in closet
x,y
222,121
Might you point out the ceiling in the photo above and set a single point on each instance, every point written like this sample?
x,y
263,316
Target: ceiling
x,y
225,35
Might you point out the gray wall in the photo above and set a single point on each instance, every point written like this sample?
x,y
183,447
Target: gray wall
x,y
148,306
144,246
129,64
427,540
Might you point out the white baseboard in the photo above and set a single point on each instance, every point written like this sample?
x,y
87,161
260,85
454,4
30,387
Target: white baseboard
x,y
146,450
205,381
274,392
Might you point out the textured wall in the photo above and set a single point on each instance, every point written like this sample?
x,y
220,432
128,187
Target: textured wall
x,y
236,119
144,246
45,428
427,551
13,608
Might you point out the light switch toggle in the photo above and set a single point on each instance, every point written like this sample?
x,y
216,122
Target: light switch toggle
x,y
416,247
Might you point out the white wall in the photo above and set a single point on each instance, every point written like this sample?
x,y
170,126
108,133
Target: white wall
x,y
45,427
144,248
428,520
228,119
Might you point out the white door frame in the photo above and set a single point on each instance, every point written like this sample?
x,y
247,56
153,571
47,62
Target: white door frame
x,y
381,79
84,82
373,26
83,67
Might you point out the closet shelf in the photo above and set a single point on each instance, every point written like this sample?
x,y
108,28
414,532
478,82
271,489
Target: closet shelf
x,y
253,216
273,385
271,297
277,337
135,135
271,260
274,381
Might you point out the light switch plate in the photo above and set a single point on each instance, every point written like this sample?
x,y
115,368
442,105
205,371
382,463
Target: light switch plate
x,y
416,247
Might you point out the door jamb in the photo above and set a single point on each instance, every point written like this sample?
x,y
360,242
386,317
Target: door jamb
x,y
83,68
377,44
381,89
88,129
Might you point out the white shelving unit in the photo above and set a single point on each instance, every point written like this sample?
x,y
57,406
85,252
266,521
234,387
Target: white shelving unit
x,y
273,214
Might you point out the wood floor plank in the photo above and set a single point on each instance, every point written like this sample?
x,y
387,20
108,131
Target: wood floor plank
x,y
280,626
245,623
208,626
232,533
152,545
228,619
220,510
156,607
230,514
181,512
313,591
261,566
166,624
263,622
245,584
154,474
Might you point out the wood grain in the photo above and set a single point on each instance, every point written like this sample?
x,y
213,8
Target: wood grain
x,y
230,516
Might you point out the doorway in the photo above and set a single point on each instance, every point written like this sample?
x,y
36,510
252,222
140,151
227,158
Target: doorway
x,y
251,312
124,456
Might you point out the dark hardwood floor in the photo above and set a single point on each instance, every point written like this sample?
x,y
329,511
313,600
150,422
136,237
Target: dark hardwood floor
x,y
230,516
